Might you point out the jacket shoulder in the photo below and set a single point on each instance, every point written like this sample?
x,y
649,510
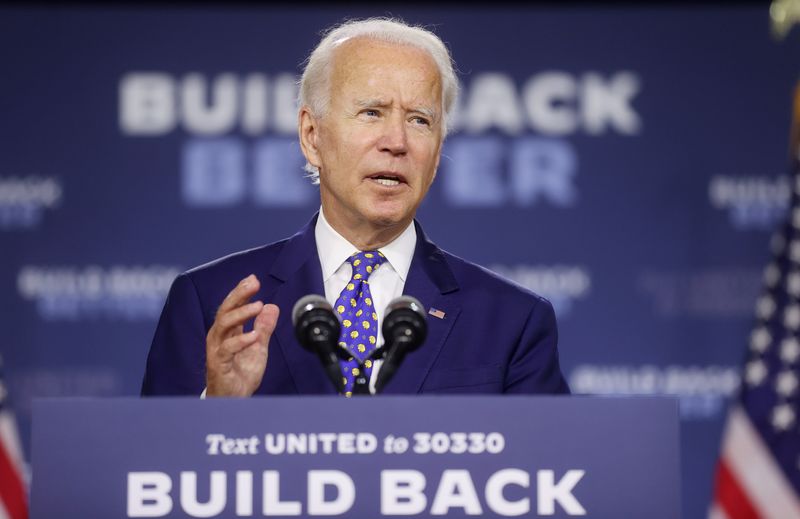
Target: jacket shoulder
x,y
471,276
241,263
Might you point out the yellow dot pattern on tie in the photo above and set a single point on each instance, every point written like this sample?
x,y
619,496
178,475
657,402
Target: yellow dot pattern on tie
x,y
358,318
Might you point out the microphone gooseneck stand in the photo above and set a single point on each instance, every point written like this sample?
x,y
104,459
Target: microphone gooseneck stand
x,y
317,329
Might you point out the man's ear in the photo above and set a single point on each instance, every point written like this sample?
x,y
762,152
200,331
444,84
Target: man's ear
x,y
308,132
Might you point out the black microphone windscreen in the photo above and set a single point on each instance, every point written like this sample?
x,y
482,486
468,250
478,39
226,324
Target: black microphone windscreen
x,y
405,301
309,302
405,322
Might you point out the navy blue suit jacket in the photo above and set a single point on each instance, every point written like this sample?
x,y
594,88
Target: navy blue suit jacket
x,y
495,337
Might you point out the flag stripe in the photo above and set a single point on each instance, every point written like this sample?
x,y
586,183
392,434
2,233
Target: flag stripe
x,y
755,469
10,439
731,498
717,512
12,493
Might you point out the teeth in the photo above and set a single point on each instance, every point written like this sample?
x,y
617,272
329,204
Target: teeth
x,y
387,182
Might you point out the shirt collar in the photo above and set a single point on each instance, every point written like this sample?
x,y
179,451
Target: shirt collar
x,y
334,249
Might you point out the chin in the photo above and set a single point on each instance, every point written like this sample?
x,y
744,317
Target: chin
x,y
388,218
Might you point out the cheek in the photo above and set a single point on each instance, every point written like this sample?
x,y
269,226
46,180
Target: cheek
x,y
350,145
428,158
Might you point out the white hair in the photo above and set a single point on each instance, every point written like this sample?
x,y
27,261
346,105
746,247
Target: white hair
x,y
315,88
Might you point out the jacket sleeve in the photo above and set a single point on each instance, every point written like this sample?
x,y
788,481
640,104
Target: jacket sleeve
x,y
176,364
534,366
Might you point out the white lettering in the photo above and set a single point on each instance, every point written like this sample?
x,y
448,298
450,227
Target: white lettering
x,y
286,104
608,103
244,493
551,102
493,102
402,492
549,99
146,104
272,504
253,110
33,190
366,443
548,492
214,441
345,488
494,492
216,117
216,498
148,494
456,490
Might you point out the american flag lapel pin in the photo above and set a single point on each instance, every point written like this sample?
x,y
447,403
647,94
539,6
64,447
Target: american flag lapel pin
x,y
436,313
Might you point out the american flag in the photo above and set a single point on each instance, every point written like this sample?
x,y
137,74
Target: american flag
x,y
758,473
13,501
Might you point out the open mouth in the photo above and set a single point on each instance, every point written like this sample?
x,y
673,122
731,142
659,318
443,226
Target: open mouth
x,y
387,179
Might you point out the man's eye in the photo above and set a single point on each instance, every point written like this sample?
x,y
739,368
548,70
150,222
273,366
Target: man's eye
x,y
370,113
421,120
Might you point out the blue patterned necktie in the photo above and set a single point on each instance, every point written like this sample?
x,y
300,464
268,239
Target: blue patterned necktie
x,y
357,314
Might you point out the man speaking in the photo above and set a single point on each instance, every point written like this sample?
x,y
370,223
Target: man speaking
x,y
375,97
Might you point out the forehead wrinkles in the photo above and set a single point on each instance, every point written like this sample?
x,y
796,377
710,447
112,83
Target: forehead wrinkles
x,y
363,60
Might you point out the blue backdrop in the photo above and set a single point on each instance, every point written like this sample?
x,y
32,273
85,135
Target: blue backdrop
x,y
627,163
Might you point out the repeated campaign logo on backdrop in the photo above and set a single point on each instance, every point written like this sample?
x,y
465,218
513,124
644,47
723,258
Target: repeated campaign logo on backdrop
x,y
75,293
25,199
510,144
751,202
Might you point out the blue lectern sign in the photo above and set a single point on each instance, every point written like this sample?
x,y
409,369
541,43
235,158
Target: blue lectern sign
x,y
360,457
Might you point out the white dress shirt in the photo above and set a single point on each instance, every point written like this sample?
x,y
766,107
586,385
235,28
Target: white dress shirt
x,y
385,283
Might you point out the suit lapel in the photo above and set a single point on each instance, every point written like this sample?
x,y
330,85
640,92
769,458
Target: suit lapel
x,y
298,273
432,282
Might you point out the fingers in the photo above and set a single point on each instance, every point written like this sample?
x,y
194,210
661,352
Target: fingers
x,y
233,345
237,316
234,310
267,320
241,293
264,326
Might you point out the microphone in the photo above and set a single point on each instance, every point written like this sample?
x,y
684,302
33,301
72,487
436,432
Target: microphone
x,y
317,330
404,329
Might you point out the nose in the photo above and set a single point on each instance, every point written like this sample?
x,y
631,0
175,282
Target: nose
x,y
394,139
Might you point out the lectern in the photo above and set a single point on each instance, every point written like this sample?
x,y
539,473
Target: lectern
x,y
420,456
